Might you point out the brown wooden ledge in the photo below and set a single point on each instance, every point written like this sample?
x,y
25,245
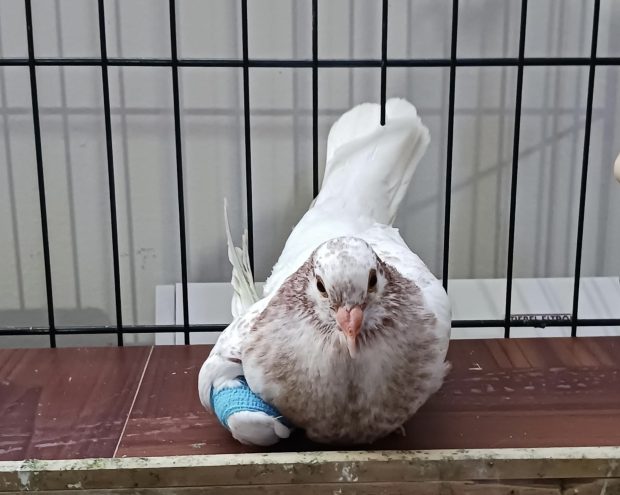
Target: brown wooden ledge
x,y
133,414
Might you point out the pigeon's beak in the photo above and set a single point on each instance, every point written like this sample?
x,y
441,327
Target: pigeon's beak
x,y
350,322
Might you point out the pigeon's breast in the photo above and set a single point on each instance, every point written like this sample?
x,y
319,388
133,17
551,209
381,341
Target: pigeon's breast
x,y
336,399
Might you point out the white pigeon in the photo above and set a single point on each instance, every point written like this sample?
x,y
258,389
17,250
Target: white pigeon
x,y
351,334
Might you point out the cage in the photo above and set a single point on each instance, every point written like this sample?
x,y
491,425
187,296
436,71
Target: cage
x,y
126,124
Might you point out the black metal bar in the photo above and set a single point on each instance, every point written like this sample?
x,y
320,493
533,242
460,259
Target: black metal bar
x,y
584,168
315,99
206,328
248,140
515,172
179,160
322,63
586,322
111,186
273,112
127,329
40,175
448,199
384,35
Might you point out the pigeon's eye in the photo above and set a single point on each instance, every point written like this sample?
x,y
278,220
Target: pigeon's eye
x,y
372,280
321,287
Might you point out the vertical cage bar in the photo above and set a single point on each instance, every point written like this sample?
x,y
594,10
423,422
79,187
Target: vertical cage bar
x,y
515,170
179,160
40,174
315,100
584,167
246,120
448,201
111,185
384,35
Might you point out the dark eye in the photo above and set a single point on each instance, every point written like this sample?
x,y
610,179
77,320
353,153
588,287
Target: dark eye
x,y
372,280
321,287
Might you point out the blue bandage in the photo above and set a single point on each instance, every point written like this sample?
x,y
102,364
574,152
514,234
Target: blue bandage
x,y
228,401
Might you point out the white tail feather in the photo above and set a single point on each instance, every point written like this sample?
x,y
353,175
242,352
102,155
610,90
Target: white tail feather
x,y
369,166
242,280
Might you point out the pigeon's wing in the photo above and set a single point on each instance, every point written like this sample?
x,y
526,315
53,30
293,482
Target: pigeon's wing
x,y
224,366
368,171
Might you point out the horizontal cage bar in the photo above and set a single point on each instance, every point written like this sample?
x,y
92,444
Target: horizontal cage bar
x,y
157,329
321,63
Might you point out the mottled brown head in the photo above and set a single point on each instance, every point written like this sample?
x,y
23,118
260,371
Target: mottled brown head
x,y
346,284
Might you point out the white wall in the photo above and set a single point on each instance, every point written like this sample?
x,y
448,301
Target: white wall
x,y
74,157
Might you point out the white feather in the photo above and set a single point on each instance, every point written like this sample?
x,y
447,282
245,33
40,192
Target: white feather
x,y
242,280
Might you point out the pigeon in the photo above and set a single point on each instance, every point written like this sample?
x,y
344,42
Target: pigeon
x,y
350,336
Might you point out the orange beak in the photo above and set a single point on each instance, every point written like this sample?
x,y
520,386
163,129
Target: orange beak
x,y
350,322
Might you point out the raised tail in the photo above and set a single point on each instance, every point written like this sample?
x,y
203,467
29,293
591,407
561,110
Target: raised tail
x,y
369,166
242,280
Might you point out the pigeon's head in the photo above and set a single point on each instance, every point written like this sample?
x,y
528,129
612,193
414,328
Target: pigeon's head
x,y
347,283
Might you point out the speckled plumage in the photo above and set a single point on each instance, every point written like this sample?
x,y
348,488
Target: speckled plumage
x,y
288,344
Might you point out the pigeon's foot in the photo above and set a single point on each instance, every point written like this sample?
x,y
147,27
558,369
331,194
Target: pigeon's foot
x,y
401,431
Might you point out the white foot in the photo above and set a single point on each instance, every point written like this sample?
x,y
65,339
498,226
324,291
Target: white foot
x,y
257,428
